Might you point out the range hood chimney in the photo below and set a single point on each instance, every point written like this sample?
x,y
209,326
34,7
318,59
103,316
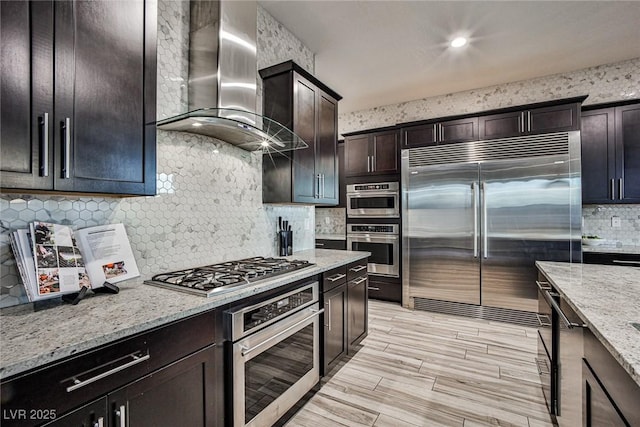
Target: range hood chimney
x,y
222,80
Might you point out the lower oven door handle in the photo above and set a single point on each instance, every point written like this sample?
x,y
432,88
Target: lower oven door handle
x,y
247,350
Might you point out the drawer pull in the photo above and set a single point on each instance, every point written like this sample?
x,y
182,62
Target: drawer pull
x,y
99,423
136,358
371,288
543,286
358,268
360,280
122,416
543,320
319,244
336,277
620,261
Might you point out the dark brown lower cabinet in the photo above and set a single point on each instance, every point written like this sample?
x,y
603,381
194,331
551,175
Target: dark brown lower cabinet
x,y
182,393
357,311
93,414
335,326
598,409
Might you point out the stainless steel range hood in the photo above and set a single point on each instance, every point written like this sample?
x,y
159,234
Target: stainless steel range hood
x,y
222,80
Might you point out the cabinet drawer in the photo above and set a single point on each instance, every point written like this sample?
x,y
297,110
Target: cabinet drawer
x,y
331,244
333,278
384,291
357,269
105,368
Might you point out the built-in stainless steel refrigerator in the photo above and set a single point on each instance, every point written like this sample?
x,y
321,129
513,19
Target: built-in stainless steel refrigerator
x,y
477,215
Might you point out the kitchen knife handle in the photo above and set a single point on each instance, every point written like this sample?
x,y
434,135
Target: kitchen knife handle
x,y
620,188
66,130
44,145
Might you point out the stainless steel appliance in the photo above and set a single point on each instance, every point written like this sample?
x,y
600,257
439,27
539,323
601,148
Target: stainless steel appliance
x,y
215,279
373,200
275,354
383,241
477,216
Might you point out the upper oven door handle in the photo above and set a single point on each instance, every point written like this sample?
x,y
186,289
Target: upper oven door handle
x,y
246,350
369,238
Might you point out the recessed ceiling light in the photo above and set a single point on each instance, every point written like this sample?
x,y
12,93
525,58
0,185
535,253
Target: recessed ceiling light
x,y
458,42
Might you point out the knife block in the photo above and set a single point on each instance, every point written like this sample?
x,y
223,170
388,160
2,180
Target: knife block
x,y
285,243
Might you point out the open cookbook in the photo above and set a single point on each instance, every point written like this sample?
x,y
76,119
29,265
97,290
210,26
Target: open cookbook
x,y
53,260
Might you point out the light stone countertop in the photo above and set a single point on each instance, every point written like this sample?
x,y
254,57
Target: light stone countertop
x,y
607,299
29,339
612,249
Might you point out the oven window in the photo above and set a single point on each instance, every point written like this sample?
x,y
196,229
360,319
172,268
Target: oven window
x,y
272,372
383,202
381,253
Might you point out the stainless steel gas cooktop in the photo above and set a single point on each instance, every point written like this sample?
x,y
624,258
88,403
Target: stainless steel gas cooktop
x,y
218,278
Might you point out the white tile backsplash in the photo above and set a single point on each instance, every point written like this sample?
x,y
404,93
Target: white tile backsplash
x,y
597,221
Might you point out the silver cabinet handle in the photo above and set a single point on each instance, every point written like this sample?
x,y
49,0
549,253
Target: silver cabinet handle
x,y
323,182
528,121
543,320
122,416
441,132
135,360
44,147
317,192
99,423
543,286
336,277
620,188
319,244
475,219
248,350
435,132
368,163
521,122
620,261
484,220
329,315
357,268
360,280
613,189
563,317
66,127
372,288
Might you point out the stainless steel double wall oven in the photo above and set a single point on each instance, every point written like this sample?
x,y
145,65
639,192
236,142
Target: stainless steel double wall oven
x,y
373,225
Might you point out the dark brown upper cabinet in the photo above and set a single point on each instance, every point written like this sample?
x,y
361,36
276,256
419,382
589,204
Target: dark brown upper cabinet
x,y
79,96
440,132
610,140
556,118
300,102
374,153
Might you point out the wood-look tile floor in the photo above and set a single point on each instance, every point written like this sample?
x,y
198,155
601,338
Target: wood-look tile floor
x,y
426,369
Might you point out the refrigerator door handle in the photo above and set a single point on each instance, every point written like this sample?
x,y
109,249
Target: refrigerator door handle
x,y
475,219
485,243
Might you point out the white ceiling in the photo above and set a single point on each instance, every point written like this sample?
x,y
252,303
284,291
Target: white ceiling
x,y
378,53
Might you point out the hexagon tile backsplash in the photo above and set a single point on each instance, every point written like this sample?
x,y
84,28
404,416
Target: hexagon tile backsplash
x,y
208,209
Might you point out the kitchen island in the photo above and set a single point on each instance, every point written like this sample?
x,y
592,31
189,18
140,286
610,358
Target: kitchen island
x,y
595,351
30,339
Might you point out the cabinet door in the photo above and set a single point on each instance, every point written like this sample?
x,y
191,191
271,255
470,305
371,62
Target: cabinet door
x,y
357,308
357,156
385,152
105,80
461,130
181,394
93,414
305,180
597,409
500,125
558,118
598,156
628,150
26,94
327,149
417,136
335,325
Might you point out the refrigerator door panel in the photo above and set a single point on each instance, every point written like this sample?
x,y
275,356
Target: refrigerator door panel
x,y
526,217
442,233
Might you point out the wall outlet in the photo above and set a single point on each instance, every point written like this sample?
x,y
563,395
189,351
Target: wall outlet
x,y
616,222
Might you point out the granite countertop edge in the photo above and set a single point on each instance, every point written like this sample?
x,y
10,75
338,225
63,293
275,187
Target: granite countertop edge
x,y
621,350
30,339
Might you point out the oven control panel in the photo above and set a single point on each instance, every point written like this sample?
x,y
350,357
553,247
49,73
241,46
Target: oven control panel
x,y
373,228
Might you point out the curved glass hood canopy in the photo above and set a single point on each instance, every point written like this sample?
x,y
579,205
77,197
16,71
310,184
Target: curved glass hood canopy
x,y
223,73
243,129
